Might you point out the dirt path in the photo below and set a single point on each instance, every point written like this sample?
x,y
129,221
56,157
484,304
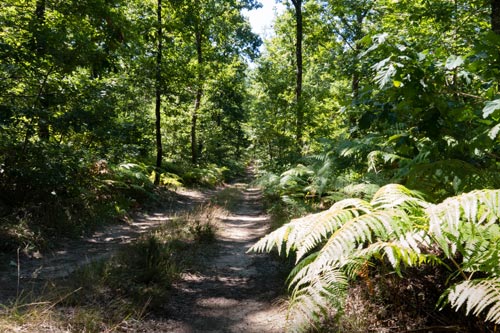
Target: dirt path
x,y
23,273
234,291
230,291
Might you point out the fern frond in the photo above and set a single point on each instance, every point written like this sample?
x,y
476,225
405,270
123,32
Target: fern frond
x,y
326,222
400,226
310,301
478,296
395,195
344,243
477,208
377,156
298,171
405,251
275,239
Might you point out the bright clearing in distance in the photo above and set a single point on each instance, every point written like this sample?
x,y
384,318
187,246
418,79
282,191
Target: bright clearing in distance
x,y
262,19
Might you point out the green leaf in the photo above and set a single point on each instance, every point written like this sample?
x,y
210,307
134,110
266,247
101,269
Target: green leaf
x,y
385,76
493,133
454,62
491,107
397,83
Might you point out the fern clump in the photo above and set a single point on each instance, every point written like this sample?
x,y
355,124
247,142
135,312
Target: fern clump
x,y
398,227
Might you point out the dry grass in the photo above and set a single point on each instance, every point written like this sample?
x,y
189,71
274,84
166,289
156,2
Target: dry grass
x,y
102,296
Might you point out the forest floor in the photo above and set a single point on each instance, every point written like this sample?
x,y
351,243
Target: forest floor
x,y
233,291
226,290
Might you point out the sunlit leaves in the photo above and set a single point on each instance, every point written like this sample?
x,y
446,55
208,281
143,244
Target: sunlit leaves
x,y
491,107
453,62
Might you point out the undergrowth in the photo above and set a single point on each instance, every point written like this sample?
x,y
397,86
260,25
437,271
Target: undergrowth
x,y
135,282
34,214
398,230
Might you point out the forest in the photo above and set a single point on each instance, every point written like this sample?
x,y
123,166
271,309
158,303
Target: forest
x,y
372,127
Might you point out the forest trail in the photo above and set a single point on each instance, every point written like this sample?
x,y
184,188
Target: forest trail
x,y
234,291
28,272
229,290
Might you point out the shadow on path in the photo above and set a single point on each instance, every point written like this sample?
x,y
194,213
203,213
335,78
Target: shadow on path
x,y
234,291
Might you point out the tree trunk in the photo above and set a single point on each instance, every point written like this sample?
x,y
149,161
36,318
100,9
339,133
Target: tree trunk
x,y
159,146
299,69
39,40
197,100
40,43
495,16
358,34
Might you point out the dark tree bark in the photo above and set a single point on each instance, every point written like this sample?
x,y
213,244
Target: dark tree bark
x,y
199,93
39,40
159,146
495,16
299,70
40,43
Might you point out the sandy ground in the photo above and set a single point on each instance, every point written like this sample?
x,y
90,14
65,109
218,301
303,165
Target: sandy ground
x,y
234,291
230,291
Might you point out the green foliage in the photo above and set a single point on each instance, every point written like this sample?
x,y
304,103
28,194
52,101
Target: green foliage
x,y
397,227
209,176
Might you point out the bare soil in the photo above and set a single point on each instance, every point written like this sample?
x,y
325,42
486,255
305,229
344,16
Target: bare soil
x,y
234,291
230,290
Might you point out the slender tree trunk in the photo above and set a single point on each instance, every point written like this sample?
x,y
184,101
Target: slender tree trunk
x,y
299,70
197,100
356,77
159,146
40,44
39,40
495,16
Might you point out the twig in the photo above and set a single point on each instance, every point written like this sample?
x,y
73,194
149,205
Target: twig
x,y
433,328
18,273
61,299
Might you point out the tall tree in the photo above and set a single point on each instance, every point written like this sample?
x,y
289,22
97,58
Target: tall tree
x,y
297,4
158,84
198,32
495,16
216,34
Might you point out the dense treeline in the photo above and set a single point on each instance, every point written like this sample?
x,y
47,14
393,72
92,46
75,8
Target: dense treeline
x,y
100,101
78,86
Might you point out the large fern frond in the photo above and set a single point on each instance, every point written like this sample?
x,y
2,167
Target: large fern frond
x,y
395,195
447,219
309,302
399,226
407,251
325,223
276,239
478,296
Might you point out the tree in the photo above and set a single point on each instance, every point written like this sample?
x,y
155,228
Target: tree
x,y
215,33
495,16
297,4
158,83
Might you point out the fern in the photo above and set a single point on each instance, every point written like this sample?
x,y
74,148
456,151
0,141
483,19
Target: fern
x,y
449,219
399,226
379,156
478,296
309,301
345,227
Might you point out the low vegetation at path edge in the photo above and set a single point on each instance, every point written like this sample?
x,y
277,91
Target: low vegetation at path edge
x,y
104,295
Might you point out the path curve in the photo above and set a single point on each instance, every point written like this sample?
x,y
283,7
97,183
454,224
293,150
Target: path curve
x,y
234,291
24,273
